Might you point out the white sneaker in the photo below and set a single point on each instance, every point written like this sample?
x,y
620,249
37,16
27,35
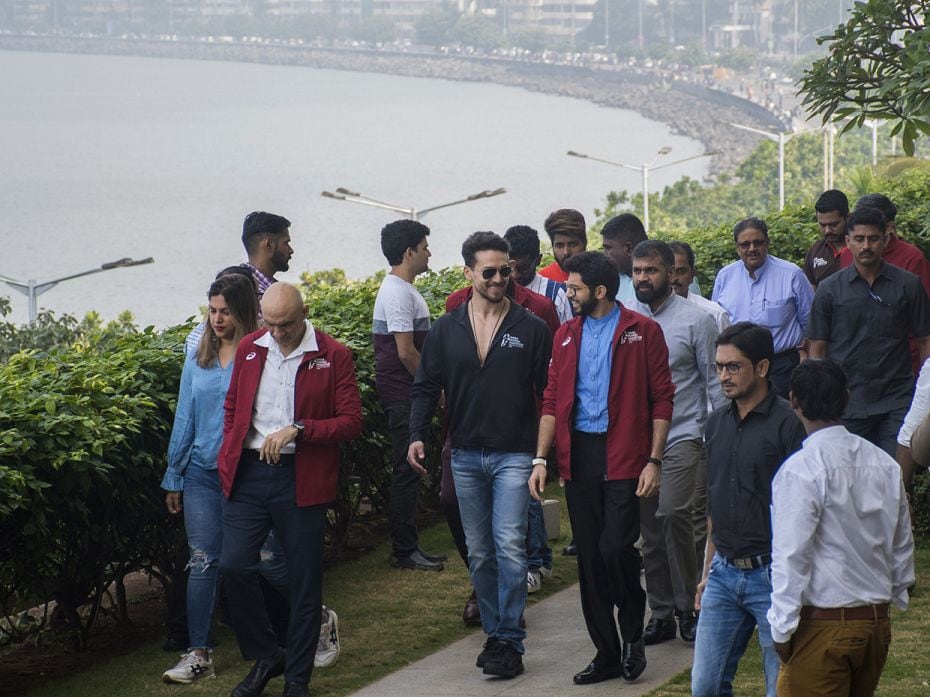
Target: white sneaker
x,y
327,649
533,581
189,669
545,572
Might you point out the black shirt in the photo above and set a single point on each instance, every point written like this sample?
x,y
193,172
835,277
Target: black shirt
x,y
742,458
866,330
822,260
491,406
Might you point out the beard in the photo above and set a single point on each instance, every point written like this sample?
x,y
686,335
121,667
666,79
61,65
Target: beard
x,y
586,307
647,295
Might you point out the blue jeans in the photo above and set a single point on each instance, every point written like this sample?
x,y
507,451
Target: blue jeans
x,y
203,521
734,603
538,551
493,499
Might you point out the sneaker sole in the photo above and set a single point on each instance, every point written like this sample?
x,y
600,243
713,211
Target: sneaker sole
x,y
497,670
185,681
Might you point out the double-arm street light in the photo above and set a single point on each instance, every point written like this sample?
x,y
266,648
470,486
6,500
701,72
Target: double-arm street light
x,y
644,170
32,288
343,194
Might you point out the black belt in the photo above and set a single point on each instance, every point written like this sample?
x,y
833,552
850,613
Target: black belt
x,y
284,459
787,352
588,434
756,562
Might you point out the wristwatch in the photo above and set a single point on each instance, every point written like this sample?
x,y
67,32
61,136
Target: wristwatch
x,y
539,461
655,461
299,426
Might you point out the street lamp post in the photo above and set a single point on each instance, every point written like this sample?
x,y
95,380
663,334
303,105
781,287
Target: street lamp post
x,y
343,194
644,170
32,288
781,138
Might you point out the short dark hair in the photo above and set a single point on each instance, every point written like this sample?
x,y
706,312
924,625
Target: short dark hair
x,y
258,224
655,248
832,200
595,269
679,247
819,385
750,224
753,340
523,241
480,242
625,227
866,215
566,221
881,202
399,236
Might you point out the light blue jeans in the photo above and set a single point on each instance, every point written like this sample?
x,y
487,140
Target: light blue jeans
x,y
493,500
734,603
203,521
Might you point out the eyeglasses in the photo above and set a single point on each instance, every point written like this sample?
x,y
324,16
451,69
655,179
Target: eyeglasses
x,y
491,271
752,243
730,368
573,290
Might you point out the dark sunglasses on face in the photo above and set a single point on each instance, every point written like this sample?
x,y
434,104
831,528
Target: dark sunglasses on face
x,y
491,271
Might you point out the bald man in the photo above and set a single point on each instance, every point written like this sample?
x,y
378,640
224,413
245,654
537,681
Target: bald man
x,y
292,400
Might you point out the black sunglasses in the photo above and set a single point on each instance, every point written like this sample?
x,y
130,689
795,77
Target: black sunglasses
x,y
491,271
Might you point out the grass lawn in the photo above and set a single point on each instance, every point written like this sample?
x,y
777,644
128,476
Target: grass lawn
x,y
387,619
906,674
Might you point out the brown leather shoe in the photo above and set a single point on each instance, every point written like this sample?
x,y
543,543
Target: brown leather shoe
x,y
471,615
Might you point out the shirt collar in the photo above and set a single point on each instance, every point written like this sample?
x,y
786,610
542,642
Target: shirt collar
x,y
605,319
828,433
306,345
264,282
758,272
762,408
667,303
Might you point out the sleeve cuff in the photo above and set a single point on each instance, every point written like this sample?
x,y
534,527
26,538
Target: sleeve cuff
x,y
172,482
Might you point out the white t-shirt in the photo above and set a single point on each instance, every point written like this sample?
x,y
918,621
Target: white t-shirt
x,y
399,308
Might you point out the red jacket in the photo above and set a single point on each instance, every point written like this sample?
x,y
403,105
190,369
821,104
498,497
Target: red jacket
x,y
554,272
326,401
538,304
640,391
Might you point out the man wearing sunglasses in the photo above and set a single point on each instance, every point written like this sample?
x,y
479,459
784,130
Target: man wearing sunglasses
x,y
490,357
747,441
607,407
767,291
862,316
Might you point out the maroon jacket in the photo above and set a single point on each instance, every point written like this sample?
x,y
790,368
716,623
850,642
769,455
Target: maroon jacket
x,y
538,304
326,401
640,391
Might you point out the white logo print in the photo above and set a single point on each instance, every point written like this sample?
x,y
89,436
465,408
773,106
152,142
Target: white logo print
x,y
509,341
251,356
566,341
629,336
319,364
818,262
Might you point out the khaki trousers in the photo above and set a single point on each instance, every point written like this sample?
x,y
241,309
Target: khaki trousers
x,y
835,658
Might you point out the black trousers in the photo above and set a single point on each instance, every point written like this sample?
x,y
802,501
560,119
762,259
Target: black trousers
x,y
605,521
783,365
264,497
405,482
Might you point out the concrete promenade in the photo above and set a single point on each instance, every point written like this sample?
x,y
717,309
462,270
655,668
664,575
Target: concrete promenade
x,y
557,647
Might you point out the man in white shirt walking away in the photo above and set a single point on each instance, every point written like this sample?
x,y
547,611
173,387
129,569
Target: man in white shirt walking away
x,y
842,549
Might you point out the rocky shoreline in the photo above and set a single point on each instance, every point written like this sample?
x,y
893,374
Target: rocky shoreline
x,y
687,108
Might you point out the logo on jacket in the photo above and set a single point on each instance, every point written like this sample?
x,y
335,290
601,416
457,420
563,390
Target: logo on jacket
x,y
509,341
566,341
630,336
818,262
251,356
319,364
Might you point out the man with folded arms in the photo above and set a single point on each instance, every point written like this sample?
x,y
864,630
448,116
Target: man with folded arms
x,y
607,406
842,549
747,441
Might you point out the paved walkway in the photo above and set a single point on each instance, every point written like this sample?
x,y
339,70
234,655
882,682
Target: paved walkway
x,y
557,647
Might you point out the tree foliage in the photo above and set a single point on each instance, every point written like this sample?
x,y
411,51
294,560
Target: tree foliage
x,y
877,67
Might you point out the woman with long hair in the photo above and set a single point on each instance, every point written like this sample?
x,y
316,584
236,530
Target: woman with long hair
x,y
192,473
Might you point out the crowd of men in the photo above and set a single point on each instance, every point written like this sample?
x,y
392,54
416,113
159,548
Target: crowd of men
x,y
745,444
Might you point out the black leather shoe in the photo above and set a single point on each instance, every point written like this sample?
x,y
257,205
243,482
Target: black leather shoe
x,y
687,626
506,664
296,689
595,673
429,556
415,561
658,631
634,660
263,671
471,615
570,550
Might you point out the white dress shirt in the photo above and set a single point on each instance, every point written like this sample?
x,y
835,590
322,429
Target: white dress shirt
x,y
841,529
721,317
920,406
274,399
